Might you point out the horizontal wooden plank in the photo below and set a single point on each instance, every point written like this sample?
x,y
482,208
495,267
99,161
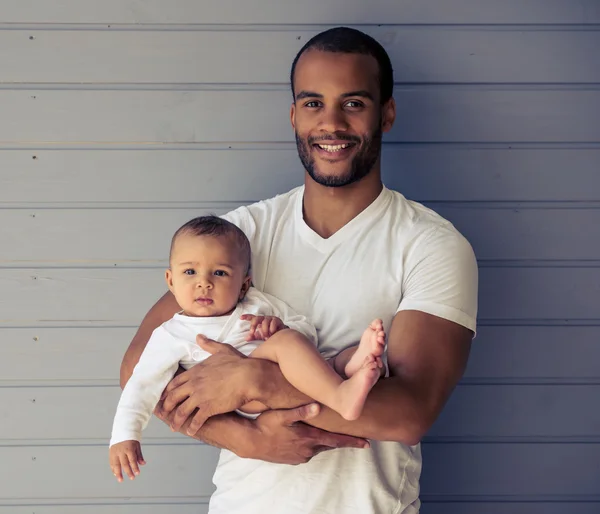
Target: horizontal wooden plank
x,y
93,354
424,114
63,354
124,508
65,413
103,236
520,411
176,471
180,471
539,293
511,469
431,173
311,11
122,296
509,507
418,54
474,412
535,352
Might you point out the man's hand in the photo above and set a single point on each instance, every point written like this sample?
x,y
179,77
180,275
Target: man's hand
x,y
262,327
284,439
215,386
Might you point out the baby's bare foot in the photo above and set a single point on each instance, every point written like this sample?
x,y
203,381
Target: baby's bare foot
x,y
353,392
372,343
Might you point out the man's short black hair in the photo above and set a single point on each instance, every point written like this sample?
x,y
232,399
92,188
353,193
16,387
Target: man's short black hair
x,y
216,227
351,41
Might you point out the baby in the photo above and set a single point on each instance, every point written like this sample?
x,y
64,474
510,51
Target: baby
x,y
209,275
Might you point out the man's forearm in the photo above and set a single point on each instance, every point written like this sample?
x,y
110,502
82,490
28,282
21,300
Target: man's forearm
x,y
392,411
226,431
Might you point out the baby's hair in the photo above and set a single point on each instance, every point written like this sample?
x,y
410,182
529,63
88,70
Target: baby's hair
x,y
214,226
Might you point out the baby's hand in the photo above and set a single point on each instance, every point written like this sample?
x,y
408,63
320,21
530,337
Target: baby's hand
x,y
126,455
262,327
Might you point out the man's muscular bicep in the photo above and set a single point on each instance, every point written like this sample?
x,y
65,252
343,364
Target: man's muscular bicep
x,y
161,311
429,355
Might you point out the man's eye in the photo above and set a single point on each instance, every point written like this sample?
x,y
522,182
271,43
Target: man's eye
x,y
311,105
189,272
354,104
220,273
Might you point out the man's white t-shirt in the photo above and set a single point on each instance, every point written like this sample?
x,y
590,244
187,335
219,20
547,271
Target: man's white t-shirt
x,y
395,255
174,343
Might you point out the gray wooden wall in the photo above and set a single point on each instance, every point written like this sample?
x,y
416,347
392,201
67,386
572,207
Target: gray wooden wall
x,y
121,119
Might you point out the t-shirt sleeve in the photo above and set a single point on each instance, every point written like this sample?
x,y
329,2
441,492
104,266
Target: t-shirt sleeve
x,y
242,218
441,277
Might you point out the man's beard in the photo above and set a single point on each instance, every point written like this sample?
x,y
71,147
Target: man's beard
x,y
362,163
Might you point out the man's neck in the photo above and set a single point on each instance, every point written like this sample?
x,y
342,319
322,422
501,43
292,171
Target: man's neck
x,y
327,209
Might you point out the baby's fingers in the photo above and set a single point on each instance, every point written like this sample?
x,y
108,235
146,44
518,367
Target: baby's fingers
x,y
274,327
126,466
133,458
140,458
116,469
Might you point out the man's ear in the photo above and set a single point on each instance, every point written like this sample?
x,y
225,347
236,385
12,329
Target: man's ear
x,y
293,115
169,279
245,286
388,115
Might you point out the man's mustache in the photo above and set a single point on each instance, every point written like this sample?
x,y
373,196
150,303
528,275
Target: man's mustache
x,y
333,137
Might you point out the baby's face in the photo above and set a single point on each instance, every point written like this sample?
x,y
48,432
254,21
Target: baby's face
x,y
206,275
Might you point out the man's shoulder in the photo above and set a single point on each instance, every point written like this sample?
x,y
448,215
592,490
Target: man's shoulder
x,y
419,223
269,207
412,213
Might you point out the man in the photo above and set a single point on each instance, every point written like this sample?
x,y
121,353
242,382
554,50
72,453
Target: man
x,y
341,250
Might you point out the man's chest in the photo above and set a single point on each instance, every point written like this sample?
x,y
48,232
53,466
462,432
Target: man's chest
x,y
341,292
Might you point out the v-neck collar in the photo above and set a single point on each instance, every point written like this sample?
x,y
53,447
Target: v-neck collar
x,y
373,211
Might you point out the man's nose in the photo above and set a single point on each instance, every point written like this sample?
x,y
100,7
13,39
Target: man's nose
x,y
333,119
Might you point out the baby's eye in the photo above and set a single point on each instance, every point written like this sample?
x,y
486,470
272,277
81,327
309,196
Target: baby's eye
x,y
189,272
220,273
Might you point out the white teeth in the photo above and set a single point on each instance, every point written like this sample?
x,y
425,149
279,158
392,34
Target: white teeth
x,y
334,148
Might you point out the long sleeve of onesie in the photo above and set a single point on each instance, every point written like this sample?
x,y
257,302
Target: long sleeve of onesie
x,y
156,367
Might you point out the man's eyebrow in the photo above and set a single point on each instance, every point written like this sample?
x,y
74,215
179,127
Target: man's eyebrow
x,y
307,94
361,92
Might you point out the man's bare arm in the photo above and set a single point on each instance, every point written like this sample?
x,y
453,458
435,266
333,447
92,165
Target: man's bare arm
x,y
163,310
427,356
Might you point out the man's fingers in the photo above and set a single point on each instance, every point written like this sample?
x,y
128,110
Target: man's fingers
x,y
197,421
175,397
209,345
340,440
177,381
303,413
182,413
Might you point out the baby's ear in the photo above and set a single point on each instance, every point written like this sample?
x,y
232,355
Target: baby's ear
x,y
169,279
245,286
